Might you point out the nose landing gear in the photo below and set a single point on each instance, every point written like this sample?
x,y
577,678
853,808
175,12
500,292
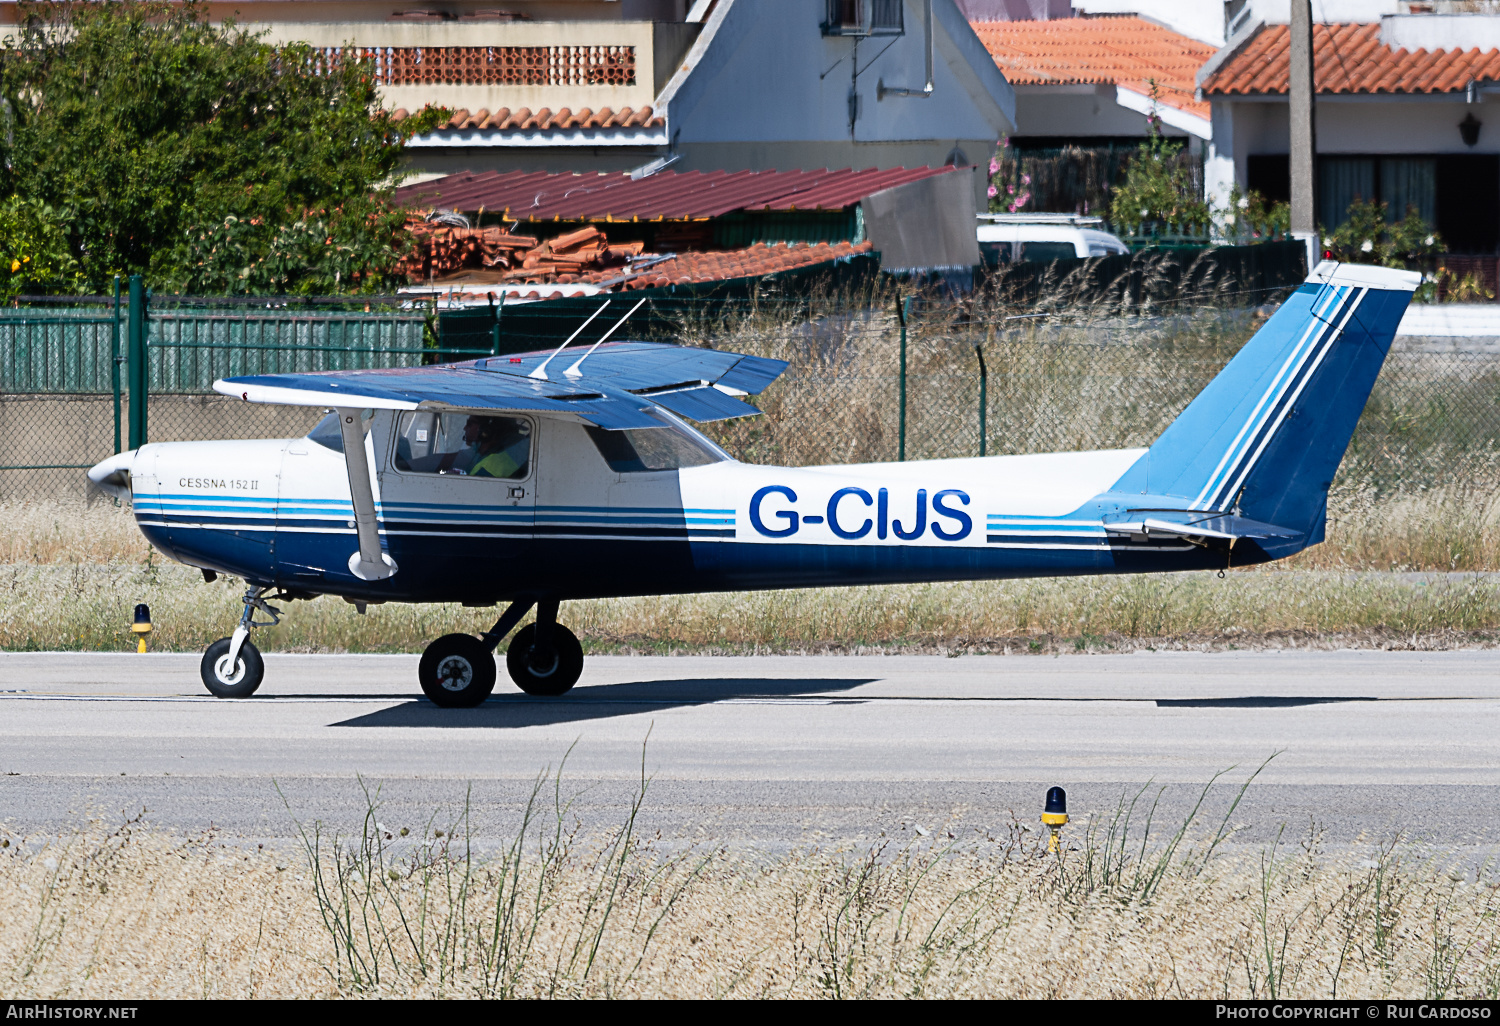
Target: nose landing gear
x,y
232,667
544,658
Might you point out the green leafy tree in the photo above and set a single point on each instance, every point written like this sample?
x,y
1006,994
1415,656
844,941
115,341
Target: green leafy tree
x,y
34,253
199,154
1158,195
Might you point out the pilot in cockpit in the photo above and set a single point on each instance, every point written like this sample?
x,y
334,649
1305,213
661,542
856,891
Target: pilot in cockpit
x,y
464,446
462,461
503,447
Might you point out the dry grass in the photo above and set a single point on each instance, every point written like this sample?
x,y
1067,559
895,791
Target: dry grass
x,y
555,912
1420,491
88,607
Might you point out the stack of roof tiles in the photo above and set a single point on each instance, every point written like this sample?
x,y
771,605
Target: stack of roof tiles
x,y
1349,59
492,256
443,252
1123,51
546,119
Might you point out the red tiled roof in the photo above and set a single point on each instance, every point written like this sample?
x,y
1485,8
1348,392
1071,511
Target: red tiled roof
x,y
546,119
1124,51
754,261
547,196
1349,59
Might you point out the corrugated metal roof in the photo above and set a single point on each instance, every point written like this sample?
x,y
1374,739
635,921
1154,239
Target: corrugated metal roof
x,y
667,195
1349,59
1125,51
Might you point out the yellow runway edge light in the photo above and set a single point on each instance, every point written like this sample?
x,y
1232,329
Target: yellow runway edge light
x,y
1055,816
142,625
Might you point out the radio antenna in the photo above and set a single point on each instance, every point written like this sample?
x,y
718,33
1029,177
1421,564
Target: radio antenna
x,y
541,370
573,371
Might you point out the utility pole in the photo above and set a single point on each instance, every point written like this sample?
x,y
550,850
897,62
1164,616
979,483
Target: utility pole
x,y
1304,166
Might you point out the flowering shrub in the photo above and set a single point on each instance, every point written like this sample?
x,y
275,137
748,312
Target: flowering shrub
x,y
1367,236
1009,188
1250,217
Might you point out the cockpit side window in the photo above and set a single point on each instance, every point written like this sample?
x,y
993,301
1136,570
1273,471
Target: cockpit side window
x,y
465,445
669,447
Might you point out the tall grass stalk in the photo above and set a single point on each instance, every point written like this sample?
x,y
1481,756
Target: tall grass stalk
x,y
551,909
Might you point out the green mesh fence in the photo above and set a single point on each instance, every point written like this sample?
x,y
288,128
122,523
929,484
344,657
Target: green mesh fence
x,y
1056,383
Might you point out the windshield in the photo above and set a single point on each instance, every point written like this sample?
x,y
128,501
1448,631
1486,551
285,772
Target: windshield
x,y
327,434
672,446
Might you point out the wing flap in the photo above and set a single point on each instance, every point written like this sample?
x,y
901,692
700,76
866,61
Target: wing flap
x,y
704,404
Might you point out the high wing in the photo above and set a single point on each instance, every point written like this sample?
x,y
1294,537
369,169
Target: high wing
x,y
611,387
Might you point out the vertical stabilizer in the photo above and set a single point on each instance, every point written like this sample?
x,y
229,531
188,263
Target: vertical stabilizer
x,y
1267,434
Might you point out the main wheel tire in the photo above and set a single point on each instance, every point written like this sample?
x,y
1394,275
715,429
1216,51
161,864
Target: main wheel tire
x,y
457,671
548,673
239,682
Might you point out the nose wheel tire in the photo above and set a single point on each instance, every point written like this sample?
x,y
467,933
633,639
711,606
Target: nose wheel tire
x,y
239,681
549,672
457,671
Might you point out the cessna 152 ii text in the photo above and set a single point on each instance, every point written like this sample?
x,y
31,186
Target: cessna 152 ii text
x,y
527,480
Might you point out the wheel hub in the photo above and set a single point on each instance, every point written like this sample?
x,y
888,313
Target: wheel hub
x,y
542,662
221,671
455,673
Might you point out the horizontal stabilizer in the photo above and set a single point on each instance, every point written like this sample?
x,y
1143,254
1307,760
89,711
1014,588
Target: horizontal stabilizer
x,y
1217,527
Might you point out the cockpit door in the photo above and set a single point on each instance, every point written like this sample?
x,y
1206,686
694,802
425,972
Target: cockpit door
x,y
458,500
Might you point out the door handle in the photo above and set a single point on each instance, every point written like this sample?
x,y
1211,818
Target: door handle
x,y
518,493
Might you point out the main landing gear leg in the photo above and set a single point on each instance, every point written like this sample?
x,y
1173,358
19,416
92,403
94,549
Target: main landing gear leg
x,y
545,658
232,667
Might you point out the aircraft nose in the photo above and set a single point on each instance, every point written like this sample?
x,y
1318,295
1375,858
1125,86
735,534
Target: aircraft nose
x,y
112,476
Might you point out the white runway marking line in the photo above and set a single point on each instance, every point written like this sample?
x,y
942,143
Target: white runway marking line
x,y
387,700
1205,702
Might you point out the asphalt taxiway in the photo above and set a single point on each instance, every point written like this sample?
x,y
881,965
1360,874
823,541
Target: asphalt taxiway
x,y
776,750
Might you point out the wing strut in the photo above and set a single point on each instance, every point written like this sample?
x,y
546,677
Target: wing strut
x,y
368,563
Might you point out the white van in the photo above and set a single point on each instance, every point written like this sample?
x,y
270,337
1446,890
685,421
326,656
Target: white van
x,y
1017,238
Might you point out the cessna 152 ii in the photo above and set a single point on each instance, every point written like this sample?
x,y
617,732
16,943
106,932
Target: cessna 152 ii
x,y
528,480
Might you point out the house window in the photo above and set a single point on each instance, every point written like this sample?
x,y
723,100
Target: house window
x,y
1401,183
864,18
1458,193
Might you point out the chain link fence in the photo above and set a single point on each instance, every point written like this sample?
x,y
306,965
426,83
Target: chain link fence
x,y
976,381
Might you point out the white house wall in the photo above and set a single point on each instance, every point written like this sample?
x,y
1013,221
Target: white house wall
x,y
1385,124
765,88
1078,111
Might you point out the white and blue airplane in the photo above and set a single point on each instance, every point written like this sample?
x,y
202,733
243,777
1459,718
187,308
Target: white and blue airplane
x,y
528,480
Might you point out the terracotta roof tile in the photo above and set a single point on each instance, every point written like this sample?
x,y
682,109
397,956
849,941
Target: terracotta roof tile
x,y
753,261
1123,51
1349,59
507,120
